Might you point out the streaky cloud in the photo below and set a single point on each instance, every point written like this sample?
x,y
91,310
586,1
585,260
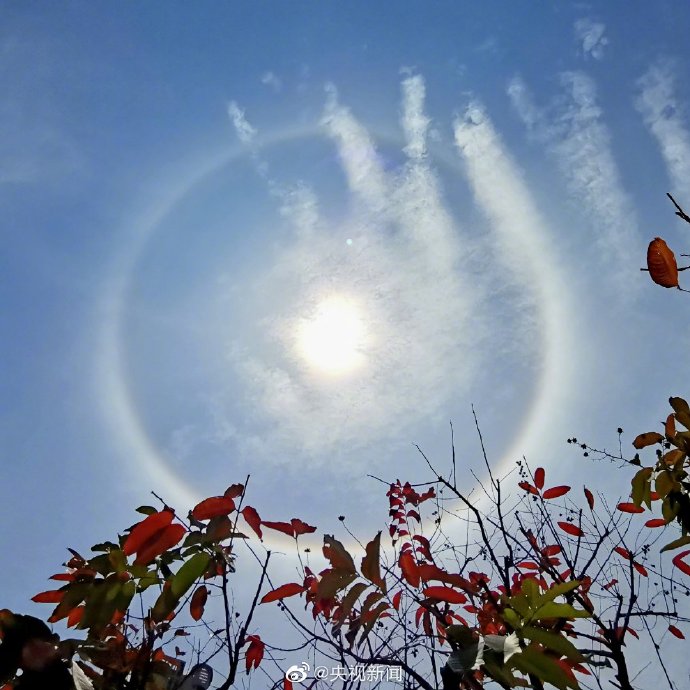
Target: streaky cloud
x,y
522,242
573,130
245,132
662,114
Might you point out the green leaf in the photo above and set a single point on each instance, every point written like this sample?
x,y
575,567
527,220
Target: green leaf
x,y
679,405
147,510
531,590
189,573
676,543
512,618
554,641
553,610
639,482
520,604
664,483
118,560
669,510
165,605
558,590
546,669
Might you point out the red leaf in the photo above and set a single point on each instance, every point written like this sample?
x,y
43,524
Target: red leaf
x,y
161,541
556,492
528,487
590,498
539,476
284,527
287,684
288,590
640,569
53,596
655,522
253,520
75,616
255,652
300,527
144,530
551,550
396,600
528,565
445,594
409,569
675,631
65,577
680,563
630,508
198,602
569,528
610,584
623,552
213,507
234,491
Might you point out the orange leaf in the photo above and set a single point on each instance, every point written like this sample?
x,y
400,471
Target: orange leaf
x,y
445,594
670,426
213,507
675,631
661,263
569,528
53,596
590,498
528,487
630,508
198,602
647,439
655,522
539,476
288,590
144,530
161,541
680,563
556,492
253,520
255,652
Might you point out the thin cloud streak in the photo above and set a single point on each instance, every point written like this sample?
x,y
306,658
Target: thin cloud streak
x,y
521,238
579,141
658,104
245,132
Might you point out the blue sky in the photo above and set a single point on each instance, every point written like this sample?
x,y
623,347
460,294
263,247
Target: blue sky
x,y
190,190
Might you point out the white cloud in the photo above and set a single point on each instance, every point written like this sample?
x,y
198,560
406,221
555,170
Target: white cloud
x,y
591,37
577,138
662,114
403,270
245,132
522,240
271,79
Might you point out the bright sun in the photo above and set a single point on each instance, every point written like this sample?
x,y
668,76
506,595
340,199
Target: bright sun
x,y
331,340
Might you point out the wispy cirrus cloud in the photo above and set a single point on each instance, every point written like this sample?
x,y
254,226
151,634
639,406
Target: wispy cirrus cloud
x,y
573,129
591,37
402,271
663,115
245,132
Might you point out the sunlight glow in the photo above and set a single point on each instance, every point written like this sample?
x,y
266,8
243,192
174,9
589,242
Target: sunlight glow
x,y
332,339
